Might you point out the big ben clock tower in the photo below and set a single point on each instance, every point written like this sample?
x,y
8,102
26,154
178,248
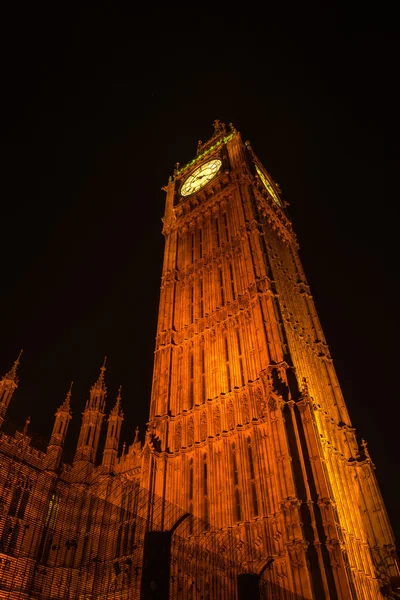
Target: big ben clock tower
x,y
248,430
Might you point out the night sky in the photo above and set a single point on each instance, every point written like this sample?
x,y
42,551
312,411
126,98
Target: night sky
x,y
97,107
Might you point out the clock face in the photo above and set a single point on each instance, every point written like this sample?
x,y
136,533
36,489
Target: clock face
x,y
268,186
200,177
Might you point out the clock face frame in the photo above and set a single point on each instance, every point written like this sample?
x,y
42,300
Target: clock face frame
x,y
200,177
268,186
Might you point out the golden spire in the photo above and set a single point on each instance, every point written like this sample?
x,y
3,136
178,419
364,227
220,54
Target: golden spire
x,y
98,391
99,385
67,401
12,374
102,371
117,408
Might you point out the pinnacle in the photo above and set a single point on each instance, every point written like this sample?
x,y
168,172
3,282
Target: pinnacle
x,y
25,429
119,396
100,381
12,374
67,401
117,408
102,371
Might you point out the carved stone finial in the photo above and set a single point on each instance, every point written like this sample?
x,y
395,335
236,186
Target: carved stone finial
x,y
99,385
218,127
25,429
304,387
117,410
365,448
12,374
148,432
119,396
67,401
103,368
136,435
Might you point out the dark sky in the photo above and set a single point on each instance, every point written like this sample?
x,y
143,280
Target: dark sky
x,y
97,107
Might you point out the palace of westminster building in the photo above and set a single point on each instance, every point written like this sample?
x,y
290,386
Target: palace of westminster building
x,y
250,483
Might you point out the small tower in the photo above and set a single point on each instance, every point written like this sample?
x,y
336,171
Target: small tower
x,y
58,435
92,420
8,384
113,434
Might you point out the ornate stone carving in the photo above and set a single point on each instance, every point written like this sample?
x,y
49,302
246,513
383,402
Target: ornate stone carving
x,y
296,551
230,411
365,448
277,535
203,426
272,404
304,388
245,409
190,431
217,420
260,403
178,437
334,553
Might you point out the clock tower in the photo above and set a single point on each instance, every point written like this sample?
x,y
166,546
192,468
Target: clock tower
x,y
248,429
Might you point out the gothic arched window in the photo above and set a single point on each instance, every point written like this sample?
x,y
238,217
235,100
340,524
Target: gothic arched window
x,y
9,537
191,304
205,490
253,487
217,235
191,378
190,432
201,298
178,437
191,479
203,426
236,492
217,420
233,290
240,355
203,371
226,228
200,243
227,362
245,409
221,286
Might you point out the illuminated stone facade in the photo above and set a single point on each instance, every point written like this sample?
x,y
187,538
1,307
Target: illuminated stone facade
x,y
70,531
250,427
250,482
